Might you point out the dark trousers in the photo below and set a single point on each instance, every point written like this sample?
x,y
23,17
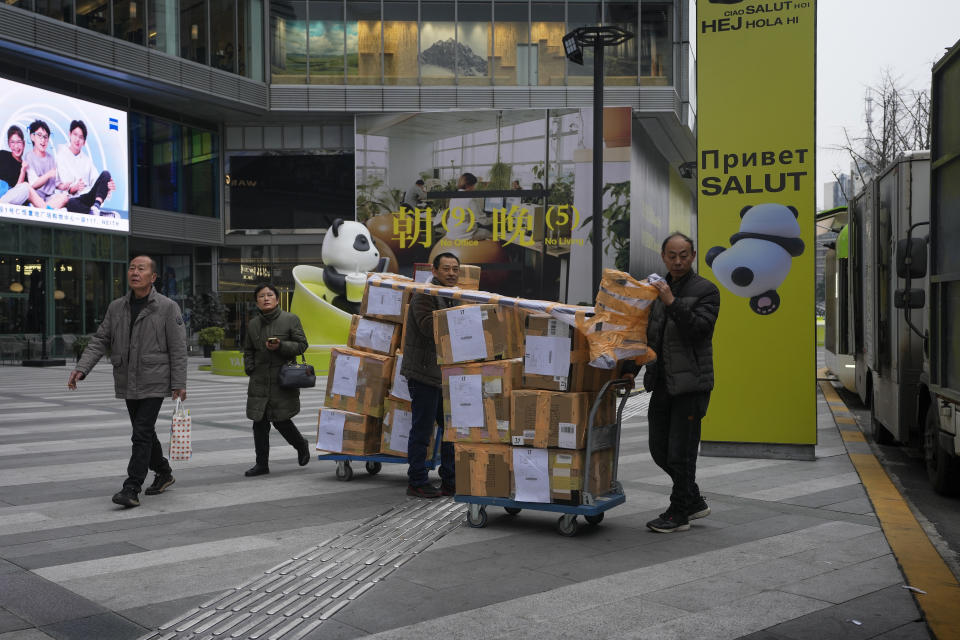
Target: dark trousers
x,y
261,438
427,414
83,202
147,453
675,439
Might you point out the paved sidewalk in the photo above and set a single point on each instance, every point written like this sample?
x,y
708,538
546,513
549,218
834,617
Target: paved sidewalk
x,y
792,549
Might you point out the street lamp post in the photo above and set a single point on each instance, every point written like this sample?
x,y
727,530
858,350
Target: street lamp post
x,y
573,44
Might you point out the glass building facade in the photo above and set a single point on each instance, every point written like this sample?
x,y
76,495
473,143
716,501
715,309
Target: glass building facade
x,y
463,43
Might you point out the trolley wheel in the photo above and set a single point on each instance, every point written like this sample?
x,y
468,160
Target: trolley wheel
x,y
373,468
512,510
567,525
597,519
477,516
344,471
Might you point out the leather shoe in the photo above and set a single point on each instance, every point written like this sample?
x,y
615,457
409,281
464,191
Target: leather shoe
x,y
257,470
303,455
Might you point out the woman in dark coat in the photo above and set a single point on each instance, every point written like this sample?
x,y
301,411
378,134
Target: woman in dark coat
x,y
273,338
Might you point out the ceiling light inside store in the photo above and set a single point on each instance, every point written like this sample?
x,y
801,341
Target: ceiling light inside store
x,y
16,287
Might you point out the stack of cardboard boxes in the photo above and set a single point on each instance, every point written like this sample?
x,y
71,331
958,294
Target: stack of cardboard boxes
x,y
360,378
538,454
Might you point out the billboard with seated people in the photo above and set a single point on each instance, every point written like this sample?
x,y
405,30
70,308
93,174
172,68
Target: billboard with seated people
x,y
62,160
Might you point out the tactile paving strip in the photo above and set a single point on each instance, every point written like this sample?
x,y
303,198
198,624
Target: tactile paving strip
x,y
293,598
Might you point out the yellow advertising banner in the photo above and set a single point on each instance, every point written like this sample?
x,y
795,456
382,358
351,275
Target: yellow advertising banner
x,y
756,204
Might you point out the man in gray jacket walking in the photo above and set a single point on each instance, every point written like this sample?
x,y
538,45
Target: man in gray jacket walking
x,y
148,349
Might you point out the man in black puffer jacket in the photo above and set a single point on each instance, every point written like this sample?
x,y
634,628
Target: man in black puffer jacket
x,y
680,331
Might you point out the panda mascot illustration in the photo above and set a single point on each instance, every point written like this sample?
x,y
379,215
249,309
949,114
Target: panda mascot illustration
x,y
760,255
347,248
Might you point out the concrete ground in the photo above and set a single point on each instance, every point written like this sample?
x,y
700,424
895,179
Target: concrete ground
x,y
792,549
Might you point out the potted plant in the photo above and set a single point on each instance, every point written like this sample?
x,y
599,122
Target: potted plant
x,y
209,337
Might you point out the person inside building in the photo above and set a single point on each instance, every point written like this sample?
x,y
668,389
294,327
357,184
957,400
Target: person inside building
x,y
423,379
680,332
148,345
415,195
86,187
13,174
273,338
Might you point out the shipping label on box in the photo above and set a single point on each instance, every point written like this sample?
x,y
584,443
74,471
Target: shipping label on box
x,y
397,422
476,400
544,419
347,432
556,357
567,471
383,302
399,388
484,469
375,336
531,475
475,332
358,381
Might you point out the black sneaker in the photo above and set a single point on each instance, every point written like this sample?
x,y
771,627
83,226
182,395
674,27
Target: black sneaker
x,y
699,509
303,455
448,489
669,522
423,491
160,483
256,470
126,498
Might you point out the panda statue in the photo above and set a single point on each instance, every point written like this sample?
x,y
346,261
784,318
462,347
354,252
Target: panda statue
x,y
759,257
347,247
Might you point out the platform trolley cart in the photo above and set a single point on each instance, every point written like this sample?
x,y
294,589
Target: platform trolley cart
x,y
375,461
591,507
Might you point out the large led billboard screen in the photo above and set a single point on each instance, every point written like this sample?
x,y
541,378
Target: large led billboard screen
x,y
62,160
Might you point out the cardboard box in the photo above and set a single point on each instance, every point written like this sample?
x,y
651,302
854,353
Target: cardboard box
x,y
398,387
476,400
397,420
566,474
358,381
543,419
556,355
476,332
347,432
383,302
484,469
375,336
469,277
422,271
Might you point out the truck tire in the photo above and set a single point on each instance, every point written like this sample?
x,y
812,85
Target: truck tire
x,y
941,466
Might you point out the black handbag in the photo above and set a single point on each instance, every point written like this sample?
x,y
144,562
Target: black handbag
x,y
297,375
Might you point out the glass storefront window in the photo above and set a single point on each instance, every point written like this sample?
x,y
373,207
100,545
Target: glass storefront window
x,y
68,243
128,20
288,42
250,39
326,44
67,301
98,294
222,45
473,42
35,239
514,59
620,62
438,45
546,35
93,15
400,43
162,26
200,171
120,249
656,44
98,246
8,238
57,9
363,43
193,30
582,13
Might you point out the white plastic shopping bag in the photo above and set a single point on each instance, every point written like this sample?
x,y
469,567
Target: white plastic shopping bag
x,y
180,448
